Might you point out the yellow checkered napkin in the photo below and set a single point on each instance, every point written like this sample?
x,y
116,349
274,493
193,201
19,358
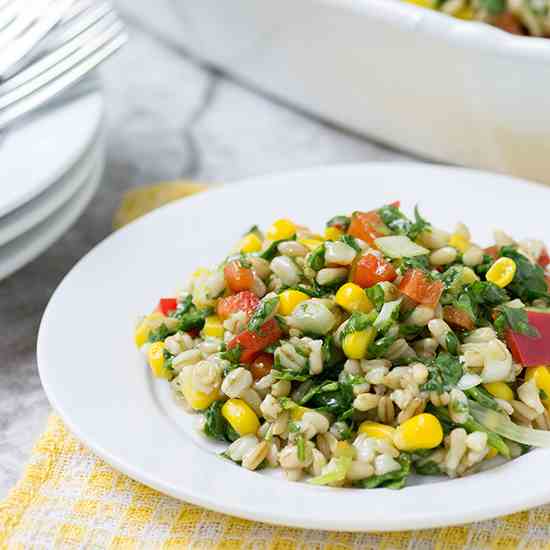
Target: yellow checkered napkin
x,y
69,498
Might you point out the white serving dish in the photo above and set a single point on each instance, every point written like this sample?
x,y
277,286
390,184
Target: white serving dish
x,y
109,400
442,88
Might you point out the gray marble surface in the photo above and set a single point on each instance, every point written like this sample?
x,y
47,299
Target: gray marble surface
x,y
170,115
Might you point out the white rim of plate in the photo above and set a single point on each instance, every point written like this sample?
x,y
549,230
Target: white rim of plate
x,y
28,215
28,246
243,490
40,130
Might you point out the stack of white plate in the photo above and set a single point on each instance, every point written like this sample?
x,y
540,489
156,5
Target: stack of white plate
x,y
50,167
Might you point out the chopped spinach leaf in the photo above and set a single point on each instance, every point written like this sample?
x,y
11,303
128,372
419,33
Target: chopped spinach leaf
x,y
159,334
452,342
271,251
516,319
376,296
380,346
391,480
232,355
263,312
529,282
215,425
444,372
341,222
316,258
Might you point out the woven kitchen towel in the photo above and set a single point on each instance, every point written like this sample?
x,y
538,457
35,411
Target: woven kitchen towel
x,y
70,498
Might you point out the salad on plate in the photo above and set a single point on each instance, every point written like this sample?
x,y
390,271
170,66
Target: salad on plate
x,y
381,348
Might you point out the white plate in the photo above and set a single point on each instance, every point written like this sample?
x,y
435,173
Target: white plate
x,y
36,154
100,385
33,212
29,245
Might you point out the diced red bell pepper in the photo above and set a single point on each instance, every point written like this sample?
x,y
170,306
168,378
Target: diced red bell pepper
x,y
544,258
252,343
261,366
245,301
166,305
371,269
395,204
492,251
531,352
367,226
416,285
458,318
238,277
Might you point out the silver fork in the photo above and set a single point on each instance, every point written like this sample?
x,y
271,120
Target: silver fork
x,y
25,24
91,38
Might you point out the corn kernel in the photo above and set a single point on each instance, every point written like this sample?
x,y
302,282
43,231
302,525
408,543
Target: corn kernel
x,y
423,3
213,327
352,298
422,431
377,430
465,12
250,243
155,357
542,380
281,229
241,417
196,399
311,244
460,242
344,449
289,299
143,330
356,344
201,272
502,272
333,233
500,390
297,413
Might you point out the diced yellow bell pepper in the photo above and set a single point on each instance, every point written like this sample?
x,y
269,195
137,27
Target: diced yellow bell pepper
x,y
250,243
460,242
500,390
196,399
377,430
356,344
502,272
213,327
542,380
491,454
143,330
281,229
352,298
289,299
241,417
297,413
422,431
155,357
333,233
311,244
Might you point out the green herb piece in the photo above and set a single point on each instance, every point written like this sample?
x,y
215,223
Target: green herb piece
x,y
357,322
263,312
428,468
232,355
529,282
518,321
341,222
336,398
215,425
542,394
417,262
419,226
400,224
444,372
336,474
293,427
332,354
483,397
287,403
464,302
376,296
271,251
493,7
392,480
159,334
255,230
487,294
350,241
316,258
380,346
452,342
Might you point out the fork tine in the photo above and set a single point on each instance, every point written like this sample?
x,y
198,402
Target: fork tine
x,y
81,67
77,35
33,35
81,50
